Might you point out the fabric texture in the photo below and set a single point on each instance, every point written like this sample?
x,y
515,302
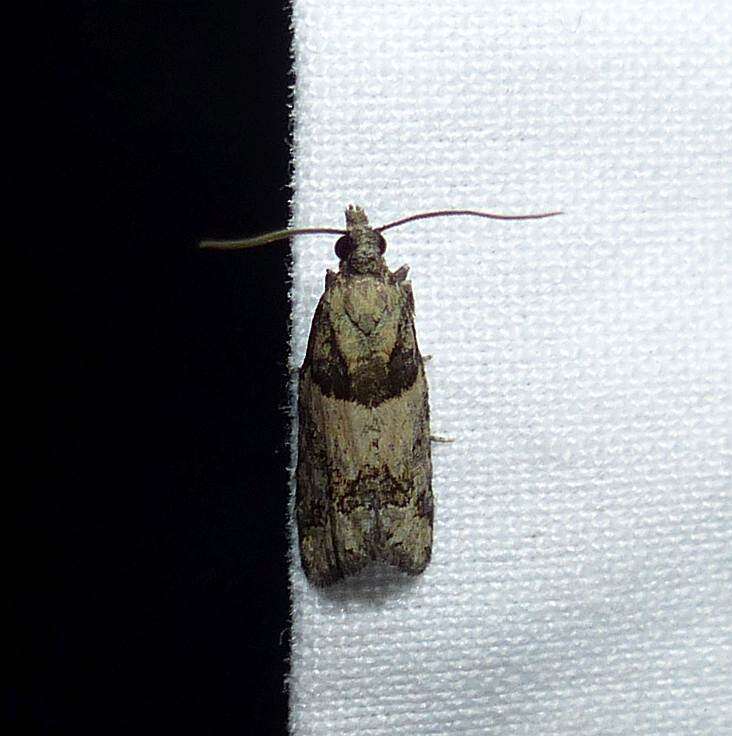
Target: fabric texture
x,y
580,580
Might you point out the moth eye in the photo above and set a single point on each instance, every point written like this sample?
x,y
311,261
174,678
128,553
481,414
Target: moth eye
x,y
382,244
344,247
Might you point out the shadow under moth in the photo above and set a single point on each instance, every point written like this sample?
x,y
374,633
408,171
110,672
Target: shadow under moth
x,y
364,468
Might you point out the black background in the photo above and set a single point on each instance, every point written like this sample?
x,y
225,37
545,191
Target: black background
x,y
150,593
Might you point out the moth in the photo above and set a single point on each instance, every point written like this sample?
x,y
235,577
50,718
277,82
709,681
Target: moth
x,y
364,467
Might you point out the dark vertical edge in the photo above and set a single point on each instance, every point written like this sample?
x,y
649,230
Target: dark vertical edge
x,y
149,592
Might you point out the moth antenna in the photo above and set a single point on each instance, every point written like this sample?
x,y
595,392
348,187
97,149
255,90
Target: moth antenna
x,y
267,238
473,213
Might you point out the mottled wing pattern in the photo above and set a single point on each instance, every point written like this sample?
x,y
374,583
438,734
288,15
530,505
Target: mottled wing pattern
x,y
405,506
313,498
364,469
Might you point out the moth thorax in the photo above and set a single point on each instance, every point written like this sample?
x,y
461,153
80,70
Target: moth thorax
x,y
366,256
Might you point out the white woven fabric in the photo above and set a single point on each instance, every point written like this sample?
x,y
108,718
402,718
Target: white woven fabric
x,y
580,581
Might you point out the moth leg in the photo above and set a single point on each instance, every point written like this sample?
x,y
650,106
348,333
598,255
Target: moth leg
x,y
440,439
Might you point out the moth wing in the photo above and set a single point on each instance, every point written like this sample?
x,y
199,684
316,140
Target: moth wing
x,y
312,501
335,517
364,470
406,504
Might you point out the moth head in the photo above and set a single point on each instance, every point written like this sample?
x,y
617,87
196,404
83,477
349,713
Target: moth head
x,y
361,249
